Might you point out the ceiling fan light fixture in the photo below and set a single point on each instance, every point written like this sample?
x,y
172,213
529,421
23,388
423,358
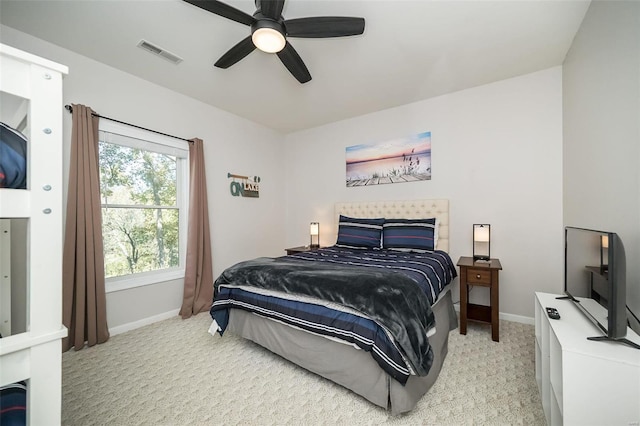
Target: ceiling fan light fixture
x,y
268,40
268,35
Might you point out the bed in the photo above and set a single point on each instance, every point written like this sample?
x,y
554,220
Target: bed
x,y
389,355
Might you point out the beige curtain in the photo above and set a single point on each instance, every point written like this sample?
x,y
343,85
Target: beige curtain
x,y
198,277
84,300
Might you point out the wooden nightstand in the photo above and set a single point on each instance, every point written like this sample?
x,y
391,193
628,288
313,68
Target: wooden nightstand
x,y
483,274
301,249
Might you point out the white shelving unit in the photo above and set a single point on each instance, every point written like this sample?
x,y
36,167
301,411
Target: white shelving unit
x,y
36,355
583,382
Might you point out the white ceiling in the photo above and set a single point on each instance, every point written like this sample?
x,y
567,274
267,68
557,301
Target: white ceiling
x,y
410,50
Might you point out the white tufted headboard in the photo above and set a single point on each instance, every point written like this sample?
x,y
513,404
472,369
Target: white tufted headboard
x,y
407,209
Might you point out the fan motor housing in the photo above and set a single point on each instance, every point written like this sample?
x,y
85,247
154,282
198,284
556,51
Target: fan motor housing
x,y
264,22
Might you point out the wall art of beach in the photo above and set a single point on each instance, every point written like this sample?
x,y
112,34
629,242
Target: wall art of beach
x,y
399,160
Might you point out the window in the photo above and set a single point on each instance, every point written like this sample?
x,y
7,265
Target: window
x,y
144,193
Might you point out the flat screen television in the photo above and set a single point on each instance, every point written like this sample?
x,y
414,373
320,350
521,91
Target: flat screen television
x,y
595,280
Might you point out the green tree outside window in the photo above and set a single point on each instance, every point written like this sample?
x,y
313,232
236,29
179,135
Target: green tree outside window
x,y
140,214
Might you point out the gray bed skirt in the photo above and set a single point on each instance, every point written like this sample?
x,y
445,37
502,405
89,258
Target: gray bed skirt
x,y
345,365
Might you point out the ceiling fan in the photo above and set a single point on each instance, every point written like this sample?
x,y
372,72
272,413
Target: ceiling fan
x,y
269,32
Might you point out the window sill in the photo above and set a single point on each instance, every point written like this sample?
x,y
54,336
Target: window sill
x,y
142,279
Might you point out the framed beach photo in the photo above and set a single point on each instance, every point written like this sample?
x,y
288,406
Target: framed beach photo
x,y
398,160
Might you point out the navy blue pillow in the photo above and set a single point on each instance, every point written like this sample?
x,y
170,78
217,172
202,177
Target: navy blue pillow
x,y
409,234
13,158
359,233
13,404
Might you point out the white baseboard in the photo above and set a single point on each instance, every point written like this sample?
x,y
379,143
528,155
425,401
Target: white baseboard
x,y
517,318
141,323
507,317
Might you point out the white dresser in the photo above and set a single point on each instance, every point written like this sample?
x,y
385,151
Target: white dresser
x,y
583,382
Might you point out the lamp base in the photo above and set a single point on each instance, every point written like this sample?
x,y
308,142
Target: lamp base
x,y
481,259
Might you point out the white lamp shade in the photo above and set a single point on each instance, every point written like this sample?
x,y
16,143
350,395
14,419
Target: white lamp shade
x,y
481,234
268,40
604,241
314,229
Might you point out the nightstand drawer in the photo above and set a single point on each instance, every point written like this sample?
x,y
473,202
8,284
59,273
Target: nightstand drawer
x,y
479,276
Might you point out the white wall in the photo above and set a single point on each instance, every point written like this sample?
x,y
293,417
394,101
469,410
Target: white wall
x,y
601,86
241,228
496,155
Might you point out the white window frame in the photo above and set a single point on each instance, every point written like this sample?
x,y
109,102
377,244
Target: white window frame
x,y
149,141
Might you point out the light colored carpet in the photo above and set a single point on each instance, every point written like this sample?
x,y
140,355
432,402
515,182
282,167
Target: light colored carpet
x,y
175,373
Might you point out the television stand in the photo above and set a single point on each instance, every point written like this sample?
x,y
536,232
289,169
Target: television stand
x,y
621,341
581,381
567,297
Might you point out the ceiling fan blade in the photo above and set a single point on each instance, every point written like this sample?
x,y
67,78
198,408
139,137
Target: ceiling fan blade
x,y
272,8
224,10
294,64
324,26
236,53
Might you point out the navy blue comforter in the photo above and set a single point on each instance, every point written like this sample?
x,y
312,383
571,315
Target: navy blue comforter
x,y
379,300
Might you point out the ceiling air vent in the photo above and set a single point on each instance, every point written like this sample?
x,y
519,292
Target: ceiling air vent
x,y
174,59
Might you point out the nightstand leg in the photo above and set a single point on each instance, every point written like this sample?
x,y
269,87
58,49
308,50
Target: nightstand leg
x,y
495,319
464,296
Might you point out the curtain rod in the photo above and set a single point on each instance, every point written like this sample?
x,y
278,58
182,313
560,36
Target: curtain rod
x,y
70,109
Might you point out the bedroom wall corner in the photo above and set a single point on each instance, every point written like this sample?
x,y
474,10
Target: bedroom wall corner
x,y
601,113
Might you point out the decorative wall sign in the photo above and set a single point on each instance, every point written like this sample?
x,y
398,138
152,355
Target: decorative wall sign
x,y
247,187
399,160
